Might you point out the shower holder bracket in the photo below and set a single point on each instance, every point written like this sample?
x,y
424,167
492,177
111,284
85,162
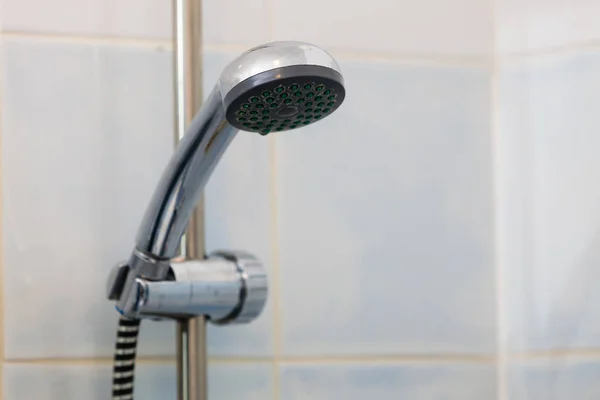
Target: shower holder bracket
x,y
227,287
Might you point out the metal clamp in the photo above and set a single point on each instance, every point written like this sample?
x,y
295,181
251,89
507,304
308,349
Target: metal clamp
x,y
227,287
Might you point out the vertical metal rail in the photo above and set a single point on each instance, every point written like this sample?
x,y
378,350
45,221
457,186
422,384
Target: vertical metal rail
x,y
191,333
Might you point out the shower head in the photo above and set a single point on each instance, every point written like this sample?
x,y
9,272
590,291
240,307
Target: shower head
x,y
281,86
271,88
274,87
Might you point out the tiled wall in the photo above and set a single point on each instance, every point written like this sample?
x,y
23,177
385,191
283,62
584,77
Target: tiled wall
x,y
548,189
382,226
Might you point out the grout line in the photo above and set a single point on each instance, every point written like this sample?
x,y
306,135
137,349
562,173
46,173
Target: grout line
x,y
166,45
88,361
288,360
241,360
2,345
499,262
271,19
276,281
550,52
404,359
340,53
277,338
556,354
434,59
407,58
369,359
89,39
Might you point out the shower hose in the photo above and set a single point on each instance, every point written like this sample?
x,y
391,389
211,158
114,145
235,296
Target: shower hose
x,y
124,360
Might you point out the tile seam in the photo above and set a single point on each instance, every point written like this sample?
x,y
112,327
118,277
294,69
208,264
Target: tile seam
x,y
2,344
499,265
591,354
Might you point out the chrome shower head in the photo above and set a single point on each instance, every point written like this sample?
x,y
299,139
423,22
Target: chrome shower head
x,y
281,86
274,87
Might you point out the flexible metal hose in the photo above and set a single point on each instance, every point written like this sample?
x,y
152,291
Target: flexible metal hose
x,y
124,360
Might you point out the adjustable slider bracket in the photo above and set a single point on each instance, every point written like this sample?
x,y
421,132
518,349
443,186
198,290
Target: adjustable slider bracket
x,y
227,287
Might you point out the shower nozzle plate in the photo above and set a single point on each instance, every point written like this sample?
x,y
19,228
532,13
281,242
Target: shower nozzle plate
x,y
284,98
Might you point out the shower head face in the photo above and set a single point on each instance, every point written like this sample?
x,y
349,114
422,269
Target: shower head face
x,y
281,86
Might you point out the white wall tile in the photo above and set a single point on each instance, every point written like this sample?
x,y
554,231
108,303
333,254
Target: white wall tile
x,y
548,201
153,382
150,19
554,379
236,22
526,25
389,381
421,28
86,132
385,213
238,216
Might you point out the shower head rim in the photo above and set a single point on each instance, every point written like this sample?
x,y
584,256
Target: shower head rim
x,y
271,56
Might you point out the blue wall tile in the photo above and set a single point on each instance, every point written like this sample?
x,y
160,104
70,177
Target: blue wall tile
x,y
85,136
385,217
249,381
41,382
388,382
548,201
153,382
554,379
